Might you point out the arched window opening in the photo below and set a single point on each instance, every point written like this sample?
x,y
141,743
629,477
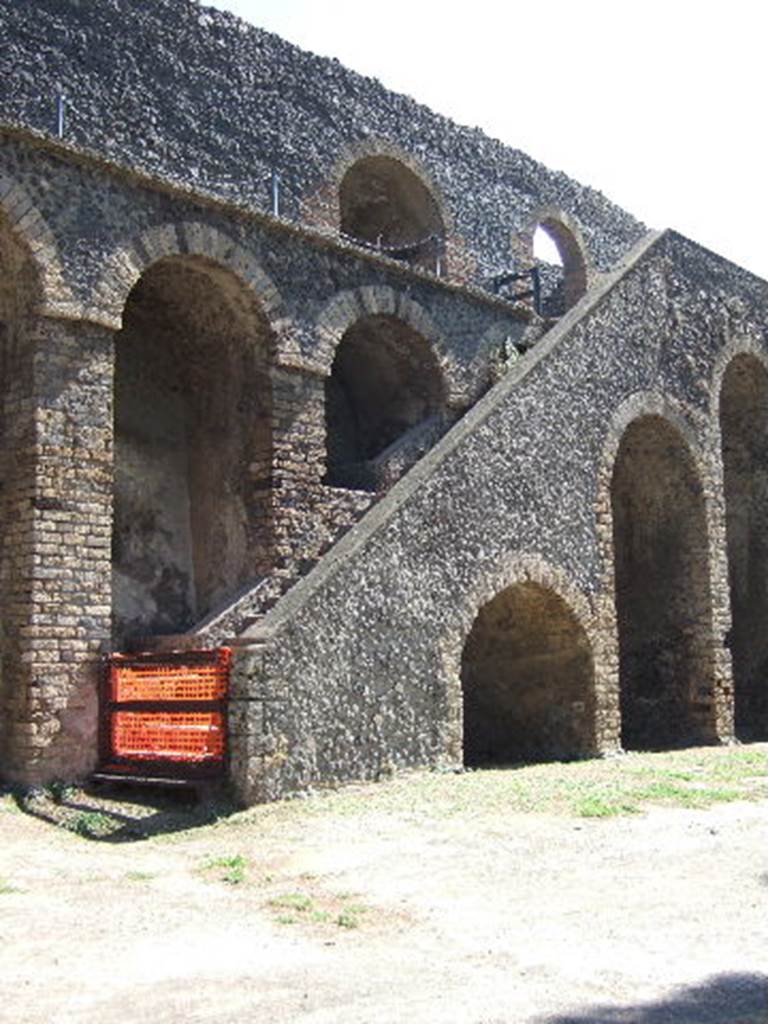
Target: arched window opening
x,y
386,206
744,434
193,447
527,680
561,266
384,383
662,590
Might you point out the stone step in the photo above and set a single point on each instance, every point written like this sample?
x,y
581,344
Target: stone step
x,y
165,643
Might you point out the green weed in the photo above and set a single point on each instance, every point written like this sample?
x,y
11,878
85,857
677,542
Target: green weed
x,y
596,806
90,824
296,901
231,869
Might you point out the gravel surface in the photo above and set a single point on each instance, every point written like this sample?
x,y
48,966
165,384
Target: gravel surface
x,y
371,914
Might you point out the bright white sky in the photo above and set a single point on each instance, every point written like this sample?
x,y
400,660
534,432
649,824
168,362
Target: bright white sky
x,y
657,103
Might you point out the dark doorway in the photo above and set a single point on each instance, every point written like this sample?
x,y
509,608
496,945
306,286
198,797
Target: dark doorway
x,y
662,590
527,680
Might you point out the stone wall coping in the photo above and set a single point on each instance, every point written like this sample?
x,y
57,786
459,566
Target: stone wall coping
x,y
384,511
314,235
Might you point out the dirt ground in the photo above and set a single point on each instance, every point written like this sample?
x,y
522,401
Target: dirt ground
x,y
383,904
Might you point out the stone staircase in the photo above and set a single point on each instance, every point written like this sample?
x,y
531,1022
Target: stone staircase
x,y
225,624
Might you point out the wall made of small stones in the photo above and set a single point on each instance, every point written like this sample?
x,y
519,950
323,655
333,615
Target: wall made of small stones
x,y
91,232
198,97
361,669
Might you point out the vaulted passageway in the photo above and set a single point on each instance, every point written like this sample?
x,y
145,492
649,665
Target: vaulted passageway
x,y
744,434
662,589
386,205
527,680
193,447
385,380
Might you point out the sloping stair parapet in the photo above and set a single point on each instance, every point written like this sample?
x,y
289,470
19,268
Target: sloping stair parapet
x,y
420,473
341,508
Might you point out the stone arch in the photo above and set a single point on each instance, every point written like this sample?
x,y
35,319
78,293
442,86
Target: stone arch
x,y
347,307
131,259
27,225
743,420
380,196
385,403
551,626
193,444
662,581
561,288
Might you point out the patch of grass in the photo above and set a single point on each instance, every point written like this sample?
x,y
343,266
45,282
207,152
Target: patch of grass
x,y
90,824
60,792
350,914
231,870
6,888
9,805
346,919
139,876
596,806
676,795
325,909
297,901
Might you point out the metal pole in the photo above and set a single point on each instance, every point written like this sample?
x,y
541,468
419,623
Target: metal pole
x,y
536,281
60,101
275,194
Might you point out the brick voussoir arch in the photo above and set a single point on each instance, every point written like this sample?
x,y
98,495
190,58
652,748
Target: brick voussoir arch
x,y
29,225
514,568
566,233
636,407
652,403
131,258
378,147
741,346
346,308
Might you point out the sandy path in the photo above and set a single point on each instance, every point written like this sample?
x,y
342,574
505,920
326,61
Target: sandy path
x,y
654,918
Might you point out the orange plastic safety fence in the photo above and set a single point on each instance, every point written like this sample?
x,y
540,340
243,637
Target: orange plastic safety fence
x,y
188,737
132,680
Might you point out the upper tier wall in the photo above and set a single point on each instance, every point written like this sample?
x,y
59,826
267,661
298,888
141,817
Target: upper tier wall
x,y
199,97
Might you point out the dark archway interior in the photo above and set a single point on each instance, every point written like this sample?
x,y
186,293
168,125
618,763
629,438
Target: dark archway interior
x,y
193,447
384,381
527,681
662,590
563,280
384,204
744,431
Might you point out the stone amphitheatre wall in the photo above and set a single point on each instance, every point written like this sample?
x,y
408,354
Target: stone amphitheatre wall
x,y
243,290
116,285
197,97
362,665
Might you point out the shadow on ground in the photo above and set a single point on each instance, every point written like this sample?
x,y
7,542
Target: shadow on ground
x,y
129,816
722,999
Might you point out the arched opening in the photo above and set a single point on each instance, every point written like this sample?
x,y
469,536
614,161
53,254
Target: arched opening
x,y
744,433
561,265
193,447
386,206
527,680
662,589
384,382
